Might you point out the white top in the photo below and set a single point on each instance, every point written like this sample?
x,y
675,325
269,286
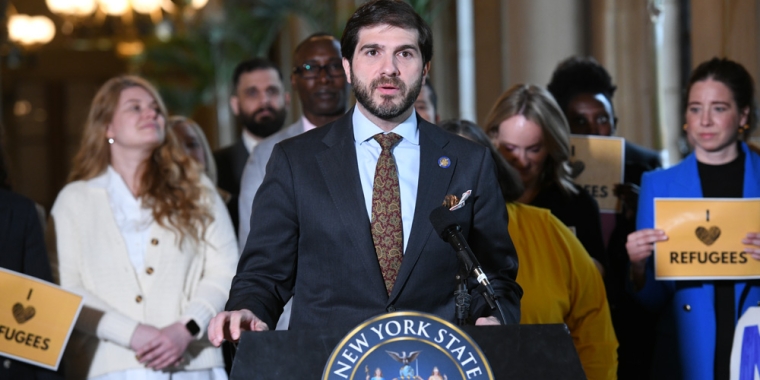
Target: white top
x,y
131,218
146,374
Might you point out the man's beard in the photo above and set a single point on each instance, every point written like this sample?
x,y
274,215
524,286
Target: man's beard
x,y
387,110
266,126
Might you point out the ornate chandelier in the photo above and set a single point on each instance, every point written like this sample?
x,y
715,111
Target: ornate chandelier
x,y
94,13
85,8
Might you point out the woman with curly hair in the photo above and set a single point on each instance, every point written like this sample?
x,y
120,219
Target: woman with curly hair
x,y
142,235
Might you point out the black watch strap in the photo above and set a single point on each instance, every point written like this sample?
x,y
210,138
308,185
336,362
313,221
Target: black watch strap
x,y
192,327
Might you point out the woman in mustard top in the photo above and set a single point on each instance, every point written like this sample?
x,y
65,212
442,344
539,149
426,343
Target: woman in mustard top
x,y
559,279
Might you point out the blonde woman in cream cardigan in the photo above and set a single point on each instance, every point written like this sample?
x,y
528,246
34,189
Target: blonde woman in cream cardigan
x,y
143,236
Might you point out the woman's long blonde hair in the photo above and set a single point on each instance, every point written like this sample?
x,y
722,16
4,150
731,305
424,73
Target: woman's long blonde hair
x,y
537,105
170,182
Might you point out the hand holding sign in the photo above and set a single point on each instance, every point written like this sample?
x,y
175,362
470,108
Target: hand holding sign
x,y
640,245
753,238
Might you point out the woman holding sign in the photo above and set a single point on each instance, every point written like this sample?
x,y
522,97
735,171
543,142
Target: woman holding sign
x,y
559,280
720,114
530,131
141,233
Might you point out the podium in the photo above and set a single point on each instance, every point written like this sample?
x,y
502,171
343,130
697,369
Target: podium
x,y
532,352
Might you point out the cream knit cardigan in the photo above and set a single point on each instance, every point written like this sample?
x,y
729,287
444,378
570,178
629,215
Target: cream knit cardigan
x,y
89,257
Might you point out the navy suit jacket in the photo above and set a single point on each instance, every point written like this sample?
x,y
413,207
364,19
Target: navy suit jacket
x,y
312,234
230,162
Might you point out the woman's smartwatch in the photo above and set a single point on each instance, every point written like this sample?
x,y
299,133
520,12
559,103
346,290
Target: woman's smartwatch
x,y
193,328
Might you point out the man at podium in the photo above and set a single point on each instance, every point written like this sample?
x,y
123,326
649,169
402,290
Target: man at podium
x,y
341,219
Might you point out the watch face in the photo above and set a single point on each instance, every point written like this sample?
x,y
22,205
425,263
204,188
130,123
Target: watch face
x,y
192,327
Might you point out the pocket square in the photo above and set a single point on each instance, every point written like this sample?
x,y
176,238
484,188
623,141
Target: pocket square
x,y
461,202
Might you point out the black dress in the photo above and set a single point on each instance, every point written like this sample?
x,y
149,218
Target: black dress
x,y
634,325
723,181
580,213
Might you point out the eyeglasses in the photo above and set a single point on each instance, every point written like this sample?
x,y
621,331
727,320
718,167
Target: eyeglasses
x,y
312,70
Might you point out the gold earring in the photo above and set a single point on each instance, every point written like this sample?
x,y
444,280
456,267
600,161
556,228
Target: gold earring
x,y
685,126
743,128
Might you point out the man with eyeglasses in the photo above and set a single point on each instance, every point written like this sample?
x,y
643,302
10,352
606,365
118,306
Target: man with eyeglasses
x,y
320,82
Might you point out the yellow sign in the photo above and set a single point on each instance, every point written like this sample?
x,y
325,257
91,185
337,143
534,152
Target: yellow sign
x,y
705,238
601,160
36,319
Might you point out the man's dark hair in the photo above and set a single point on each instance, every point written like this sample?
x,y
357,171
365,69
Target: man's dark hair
x,y
386,12
580,75
252,64
433,96
309,38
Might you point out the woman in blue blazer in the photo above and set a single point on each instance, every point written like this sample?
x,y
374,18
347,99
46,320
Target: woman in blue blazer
x,y
720,112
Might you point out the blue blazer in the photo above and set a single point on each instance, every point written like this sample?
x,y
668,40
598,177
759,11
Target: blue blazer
x,y
692,302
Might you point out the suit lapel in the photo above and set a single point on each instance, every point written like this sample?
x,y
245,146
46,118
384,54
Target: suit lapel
x,y
751,168
339,167
431,189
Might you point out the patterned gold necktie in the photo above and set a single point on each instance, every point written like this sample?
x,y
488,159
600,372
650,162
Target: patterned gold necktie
x,y
387,229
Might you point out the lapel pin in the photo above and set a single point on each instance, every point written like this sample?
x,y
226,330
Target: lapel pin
x,y
444,162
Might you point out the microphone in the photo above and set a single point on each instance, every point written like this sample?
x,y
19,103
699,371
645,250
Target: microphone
x,y
448,229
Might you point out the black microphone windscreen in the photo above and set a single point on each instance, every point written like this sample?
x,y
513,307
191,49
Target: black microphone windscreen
x,y
442,220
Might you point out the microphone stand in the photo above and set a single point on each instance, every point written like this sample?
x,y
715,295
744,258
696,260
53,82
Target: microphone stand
x,y
446,226
490,297
462,297
488,294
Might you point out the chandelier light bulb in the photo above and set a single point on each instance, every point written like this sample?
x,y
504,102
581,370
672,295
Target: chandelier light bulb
x,y
78,8
30,30
198,4
146,6
114,7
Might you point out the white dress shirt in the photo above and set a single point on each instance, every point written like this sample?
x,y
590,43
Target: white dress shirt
x,y
249,141
132,219
407,156
307,125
